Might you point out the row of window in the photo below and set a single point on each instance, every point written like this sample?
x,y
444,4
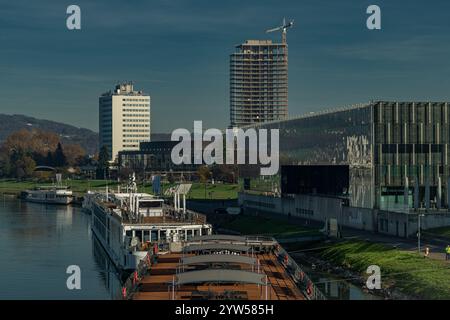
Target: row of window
x,y
259,204
136,110
305,212
135,105
136,130
135,120
136,125
136,135
136,115
133,140
135,99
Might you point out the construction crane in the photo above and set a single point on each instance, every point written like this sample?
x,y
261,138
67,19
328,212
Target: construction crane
x,y
283,29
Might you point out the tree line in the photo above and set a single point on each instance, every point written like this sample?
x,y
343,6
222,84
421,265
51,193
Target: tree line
x,y
23,150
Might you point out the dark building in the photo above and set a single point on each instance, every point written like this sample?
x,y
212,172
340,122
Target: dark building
x,y
153,157
315,179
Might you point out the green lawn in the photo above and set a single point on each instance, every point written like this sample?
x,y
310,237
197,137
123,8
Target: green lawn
x,y
78,186
216,191
267,226
406,271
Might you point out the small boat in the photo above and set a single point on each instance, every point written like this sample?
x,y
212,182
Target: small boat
x,y
49,194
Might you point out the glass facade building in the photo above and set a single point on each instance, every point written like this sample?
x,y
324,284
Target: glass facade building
x,y
397,151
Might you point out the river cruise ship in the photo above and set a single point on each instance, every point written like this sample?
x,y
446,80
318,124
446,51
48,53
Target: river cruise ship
x,y
130,224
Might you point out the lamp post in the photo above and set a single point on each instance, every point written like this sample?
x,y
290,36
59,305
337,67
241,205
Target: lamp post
x,y
418,230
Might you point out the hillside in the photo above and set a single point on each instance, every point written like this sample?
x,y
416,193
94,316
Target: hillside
x,y
88,139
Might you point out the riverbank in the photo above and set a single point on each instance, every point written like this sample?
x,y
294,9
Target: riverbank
x,y
403,273
11,186
209,191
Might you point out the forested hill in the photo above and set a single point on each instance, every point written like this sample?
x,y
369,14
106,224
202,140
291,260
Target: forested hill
x,y
88,139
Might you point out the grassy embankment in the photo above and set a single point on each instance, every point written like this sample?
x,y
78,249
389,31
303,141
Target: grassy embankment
x,y
441,232
216,191
78,186
266,226
406,271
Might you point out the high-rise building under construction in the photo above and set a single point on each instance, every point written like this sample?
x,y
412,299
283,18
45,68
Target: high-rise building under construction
x,y
258,82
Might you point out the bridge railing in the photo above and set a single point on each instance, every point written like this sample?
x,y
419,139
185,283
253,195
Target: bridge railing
x,y
131,284
305,284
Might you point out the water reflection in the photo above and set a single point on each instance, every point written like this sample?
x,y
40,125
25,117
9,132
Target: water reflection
x,y
334,287
109,274
37,244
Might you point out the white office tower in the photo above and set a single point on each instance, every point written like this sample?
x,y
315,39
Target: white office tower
x,y
124,119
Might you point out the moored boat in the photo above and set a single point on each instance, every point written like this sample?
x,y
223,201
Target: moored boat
x,y
130,224
49,195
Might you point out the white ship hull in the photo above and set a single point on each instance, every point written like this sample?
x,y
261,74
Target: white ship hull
x,y
49,196
116,234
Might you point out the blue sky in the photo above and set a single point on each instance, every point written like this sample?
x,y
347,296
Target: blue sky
x,y
178,51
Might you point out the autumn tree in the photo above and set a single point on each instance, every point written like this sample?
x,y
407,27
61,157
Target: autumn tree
x,y
74,154
24,149
203,173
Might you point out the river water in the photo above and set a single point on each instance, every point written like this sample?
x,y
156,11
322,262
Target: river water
x,y
333,286
37,244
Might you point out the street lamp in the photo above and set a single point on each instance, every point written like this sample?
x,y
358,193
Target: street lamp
x,y
418,230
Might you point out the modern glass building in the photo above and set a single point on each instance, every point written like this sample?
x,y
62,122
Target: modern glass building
x,y
397,151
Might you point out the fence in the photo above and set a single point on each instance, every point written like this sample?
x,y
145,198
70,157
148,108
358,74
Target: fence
x,y
308,288
131,284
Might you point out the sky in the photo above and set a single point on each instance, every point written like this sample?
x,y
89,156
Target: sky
x,y
178,52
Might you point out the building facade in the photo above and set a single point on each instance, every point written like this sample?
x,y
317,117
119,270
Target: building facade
x,y
397,152
154,157
258,82
124,119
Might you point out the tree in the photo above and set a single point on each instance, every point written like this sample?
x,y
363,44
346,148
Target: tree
x,y
203,173
170,177
49,159
23,165
5,163
103,163
74,154
59,159
225,173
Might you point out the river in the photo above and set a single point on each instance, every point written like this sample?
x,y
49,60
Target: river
x,y
334,287
37,244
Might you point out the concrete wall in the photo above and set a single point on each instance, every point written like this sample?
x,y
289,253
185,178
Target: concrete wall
x,y
319,208
302,206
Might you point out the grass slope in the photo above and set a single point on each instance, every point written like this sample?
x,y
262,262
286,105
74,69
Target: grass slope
x,y
267,226
406,271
